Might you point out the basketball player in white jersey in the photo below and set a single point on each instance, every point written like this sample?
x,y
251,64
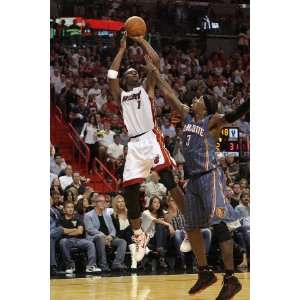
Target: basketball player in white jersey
x,y
146,148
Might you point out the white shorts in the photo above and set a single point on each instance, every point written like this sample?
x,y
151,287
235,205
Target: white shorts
x,y
146,152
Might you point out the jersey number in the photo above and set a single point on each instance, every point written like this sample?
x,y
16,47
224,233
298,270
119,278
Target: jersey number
x,y
139,104
188,140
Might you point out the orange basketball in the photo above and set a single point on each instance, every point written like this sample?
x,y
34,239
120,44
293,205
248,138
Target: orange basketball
x,y
135,26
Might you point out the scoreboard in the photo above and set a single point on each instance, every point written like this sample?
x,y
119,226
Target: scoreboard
x,y
229,142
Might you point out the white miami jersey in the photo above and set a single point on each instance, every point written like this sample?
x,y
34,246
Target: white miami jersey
x,y
137,111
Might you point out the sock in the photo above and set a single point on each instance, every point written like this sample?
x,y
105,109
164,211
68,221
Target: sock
x,y
203,268
228,273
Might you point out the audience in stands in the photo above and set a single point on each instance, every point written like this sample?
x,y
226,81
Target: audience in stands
x,y
154,188
73,237
67,179
101,230
154,224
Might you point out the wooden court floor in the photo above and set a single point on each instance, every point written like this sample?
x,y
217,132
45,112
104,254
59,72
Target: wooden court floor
x,y
150,287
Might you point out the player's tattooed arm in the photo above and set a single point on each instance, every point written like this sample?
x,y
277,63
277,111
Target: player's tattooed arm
x,y
114,84
166,89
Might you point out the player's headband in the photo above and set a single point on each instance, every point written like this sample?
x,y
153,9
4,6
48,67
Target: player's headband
x,y
129,70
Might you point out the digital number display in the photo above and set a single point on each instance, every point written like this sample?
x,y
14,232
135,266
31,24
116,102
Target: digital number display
x,y
228,142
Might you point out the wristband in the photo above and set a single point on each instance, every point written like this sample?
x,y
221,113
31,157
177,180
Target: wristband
x,y
112,74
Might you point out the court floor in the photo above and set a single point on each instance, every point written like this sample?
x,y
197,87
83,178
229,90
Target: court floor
x,y
150,287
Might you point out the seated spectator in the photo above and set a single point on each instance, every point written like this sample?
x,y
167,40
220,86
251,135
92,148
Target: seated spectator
x,y
56,232
123,228
100,229
154,188
124,136
70,194
67,179
233,167
55,186
243,184
158,230
108,136
115,150
77,183
73,237
235,197
243,209
82,207
58,164
79,114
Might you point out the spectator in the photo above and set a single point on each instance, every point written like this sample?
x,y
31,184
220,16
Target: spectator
x,y
73,237
115,150
89,135
100,229
55,186
82,207
108,136
67,179
56,231
154,188
235,198
158,230
124,136
243,209
123,228
243,184
69,194
168,129
79,114
233,168
78,183
57,165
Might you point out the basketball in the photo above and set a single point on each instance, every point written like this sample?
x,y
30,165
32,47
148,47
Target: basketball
x,y
135,26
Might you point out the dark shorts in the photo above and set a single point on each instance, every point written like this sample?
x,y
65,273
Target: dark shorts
x,y
204,195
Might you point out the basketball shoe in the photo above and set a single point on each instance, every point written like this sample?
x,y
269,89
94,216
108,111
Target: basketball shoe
x,y
205,279
141,240
231,286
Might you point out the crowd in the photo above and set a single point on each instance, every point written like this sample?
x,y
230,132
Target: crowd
x,y
98,224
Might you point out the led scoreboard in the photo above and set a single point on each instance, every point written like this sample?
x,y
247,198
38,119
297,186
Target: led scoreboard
x,y
228,142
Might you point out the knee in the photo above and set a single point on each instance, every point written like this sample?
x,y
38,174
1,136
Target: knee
x,y
63,242
99,239
123,244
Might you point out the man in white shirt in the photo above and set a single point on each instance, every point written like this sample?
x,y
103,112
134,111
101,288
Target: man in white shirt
x,y
220,90
115,150
154,188
108,136
67,179
95,90
243,209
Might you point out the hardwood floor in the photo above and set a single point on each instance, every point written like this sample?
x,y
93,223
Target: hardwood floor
x,y
150,287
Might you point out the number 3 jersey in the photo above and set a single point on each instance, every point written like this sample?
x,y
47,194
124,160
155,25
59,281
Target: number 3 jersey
x,y
137,111
199,146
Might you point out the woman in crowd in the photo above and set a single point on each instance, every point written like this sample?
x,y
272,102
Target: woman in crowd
x,y
55,186
69,195
82,207
159,231
89,135
123,228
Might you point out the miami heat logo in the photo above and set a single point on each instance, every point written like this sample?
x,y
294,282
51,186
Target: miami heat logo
x,y
156,159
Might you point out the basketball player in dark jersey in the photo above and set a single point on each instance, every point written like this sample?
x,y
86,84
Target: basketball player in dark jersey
x,y
205,203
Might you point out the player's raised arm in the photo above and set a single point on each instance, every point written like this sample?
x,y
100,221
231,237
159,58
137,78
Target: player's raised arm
x,y
217,122
165,88
148,50
112,75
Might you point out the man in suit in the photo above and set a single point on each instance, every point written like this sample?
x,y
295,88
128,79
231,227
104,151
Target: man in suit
x,y
100,229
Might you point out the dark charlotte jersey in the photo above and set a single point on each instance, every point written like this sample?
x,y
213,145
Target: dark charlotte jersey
x,y
199,146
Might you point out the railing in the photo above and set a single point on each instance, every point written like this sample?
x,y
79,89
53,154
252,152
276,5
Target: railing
x,y
81,152
99,169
